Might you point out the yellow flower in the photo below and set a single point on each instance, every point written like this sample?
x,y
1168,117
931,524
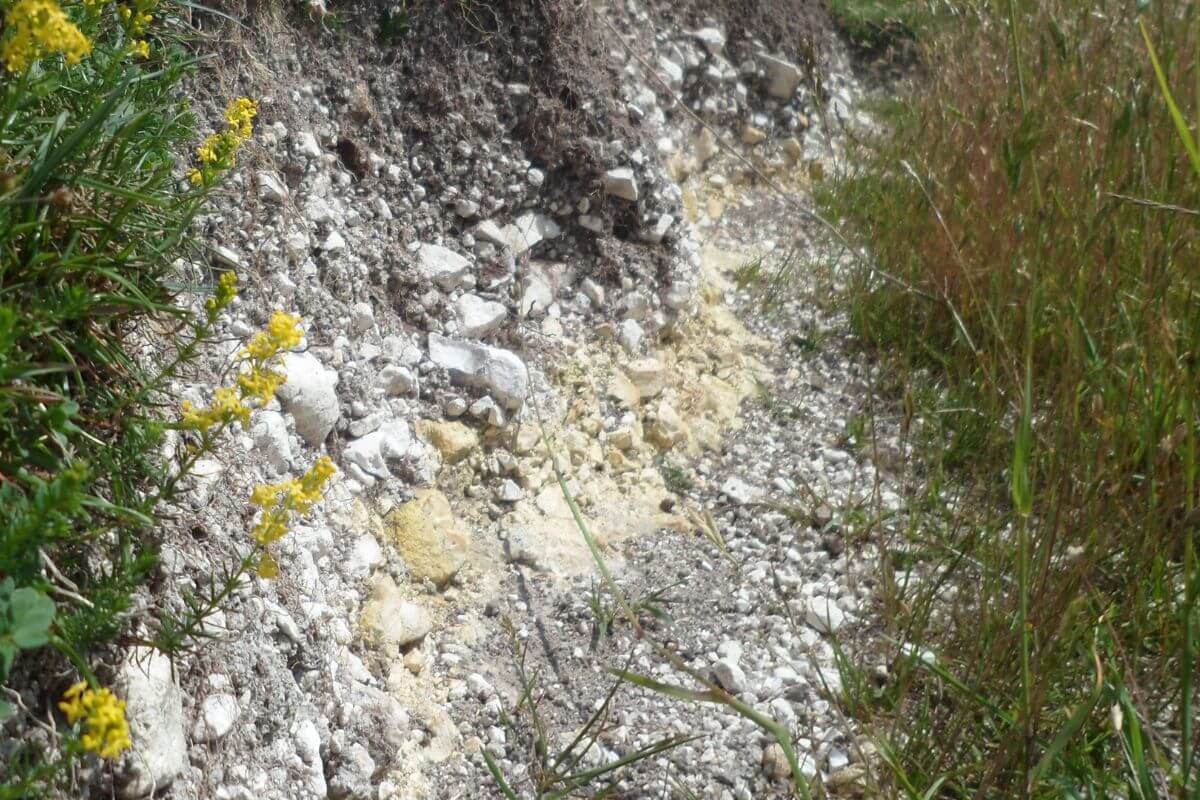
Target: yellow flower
x,y
38,29
218,152
106,729
260,384
268,567
240,115
140,48
225,293
279,501
226,408
283,333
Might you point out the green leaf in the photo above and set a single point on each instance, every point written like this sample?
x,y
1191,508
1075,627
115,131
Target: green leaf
x,y
6,710
32,613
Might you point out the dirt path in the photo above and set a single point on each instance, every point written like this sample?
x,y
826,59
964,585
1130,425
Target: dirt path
x,y
742,559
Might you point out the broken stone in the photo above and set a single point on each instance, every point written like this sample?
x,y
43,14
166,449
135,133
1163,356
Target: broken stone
x,y
621,183
500,372
783,77
444,267
453,440
429,536
478,317
154,710
309,396
648,375
388,619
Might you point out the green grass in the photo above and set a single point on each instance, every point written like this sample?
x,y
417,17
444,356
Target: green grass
x,y
875,23
1039,192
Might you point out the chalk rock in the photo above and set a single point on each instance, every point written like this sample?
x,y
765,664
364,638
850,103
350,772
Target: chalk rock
x,y
444,267
309,396
391,620
783,77
154,709
478,317
429,536
500,372
453,440
621,183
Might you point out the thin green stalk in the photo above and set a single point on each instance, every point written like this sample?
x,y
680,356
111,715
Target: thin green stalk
x,y
1189,603
1015,37
1022,494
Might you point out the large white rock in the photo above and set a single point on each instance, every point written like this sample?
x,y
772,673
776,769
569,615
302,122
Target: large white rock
x,y
621,183
218,713
271,187
648,375
309,396
526,231
444,267
824,614
154,709
500,372
372,452
478,317
783,77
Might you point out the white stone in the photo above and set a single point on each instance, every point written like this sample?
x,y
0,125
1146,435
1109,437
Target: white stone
x,y
444,267
218,713
656,232
306,145
372,452
509,492
526,231
365,556
154,710
362,317
824,615
270,187
783,77
397,380
500,372
530,229
730,676
309,396
593,291
738,491
271,439
648,375
478,317
712,39
629,335
621,183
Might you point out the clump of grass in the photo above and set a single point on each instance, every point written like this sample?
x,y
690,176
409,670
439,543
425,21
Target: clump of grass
x,y
1037,190
875,24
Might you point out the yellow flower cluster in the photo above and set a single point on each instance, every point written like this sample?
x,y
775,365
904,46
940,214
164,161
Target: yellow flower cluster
x,y
279,501
222,297
106,730
39,28
218,152
136,16
260,380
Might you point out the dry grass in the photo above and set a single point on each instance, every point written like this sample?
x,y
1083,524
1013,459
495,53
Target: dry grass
x,y
1034,184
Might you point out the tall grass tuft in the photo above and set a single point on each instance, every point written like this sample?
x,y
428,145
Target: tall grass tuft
x,y
1041,184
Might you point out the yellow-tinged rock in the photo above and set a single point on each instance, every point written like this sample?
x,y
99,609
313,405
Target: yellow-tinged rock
x,y
433,541
621,389
453,440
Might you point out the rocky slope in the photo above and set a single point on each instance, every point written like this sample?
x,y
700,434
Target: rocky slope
x,y
511,247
